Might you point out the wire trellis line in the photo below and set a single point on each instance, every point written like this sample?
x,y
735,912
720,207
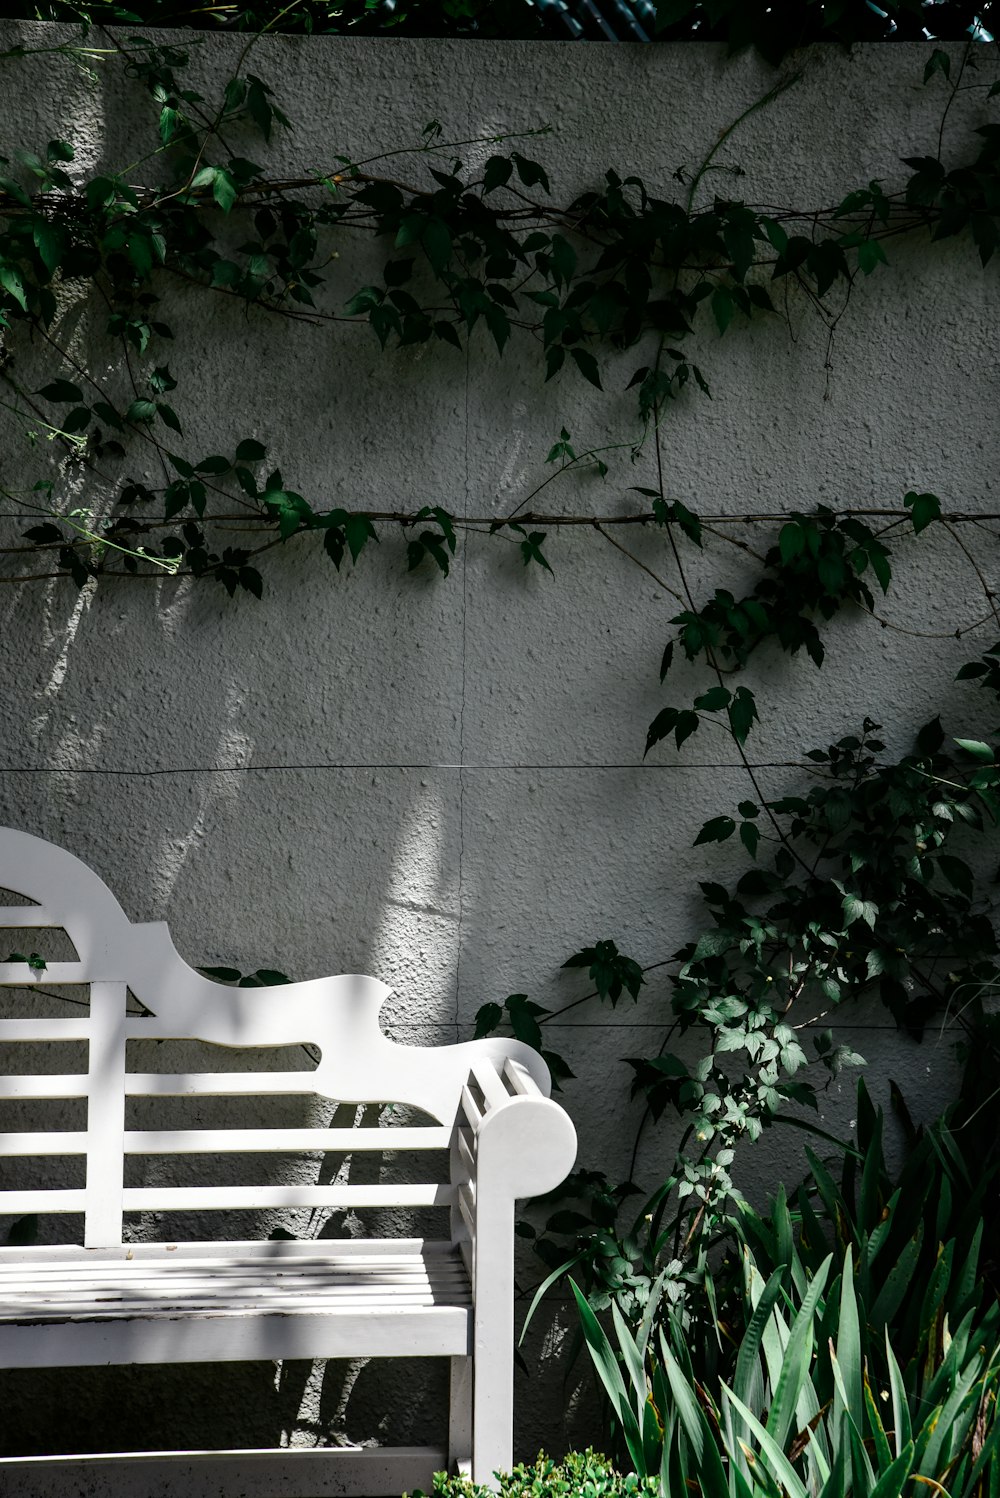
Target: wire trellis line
x,y
429,765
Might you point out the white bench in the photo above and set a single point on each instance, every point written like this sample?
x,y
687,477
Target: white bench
x,y
106,1300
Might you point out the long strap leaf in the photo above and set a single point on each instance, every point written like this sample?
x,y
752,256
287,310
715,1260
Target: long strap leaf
x,y
778,1461
609,1373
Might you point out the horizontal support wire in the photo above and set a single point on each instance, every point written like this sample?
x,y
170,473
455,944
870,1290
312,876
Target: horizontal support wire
x,y
322,767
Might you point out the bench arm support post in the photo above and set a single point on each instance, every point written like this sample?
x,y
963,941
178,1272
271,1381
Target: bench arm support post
x,y
525,1146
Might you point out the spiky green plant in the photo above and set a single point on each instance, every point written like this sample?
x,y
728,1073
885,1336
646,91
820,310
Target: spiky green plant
x,y
802,1417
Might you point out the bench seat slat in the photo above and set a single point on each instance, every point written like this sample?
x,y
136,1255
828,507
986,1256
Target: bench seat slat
x,y
186,1312
95,1292
337,1270
227,1251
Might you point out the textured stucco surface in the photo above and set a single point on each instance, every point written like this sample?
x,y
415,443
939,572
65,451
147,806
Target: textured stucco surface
x,y
467,802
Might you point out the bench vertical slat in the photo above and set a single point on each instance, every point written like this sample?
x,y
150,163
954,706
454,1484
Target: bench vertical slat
x,y
105,1115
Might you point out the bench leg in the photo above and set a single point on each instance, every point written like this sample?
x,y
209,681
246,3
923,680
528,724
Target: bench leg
x,y
460,1418
493,1408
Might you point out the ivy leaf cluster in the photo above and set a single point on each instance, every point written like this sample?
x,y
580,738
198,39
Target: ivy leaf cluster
x,y
818,567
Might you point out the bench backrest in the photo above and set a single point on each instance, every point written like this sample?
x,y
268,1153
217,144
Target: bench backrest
x,y
141,989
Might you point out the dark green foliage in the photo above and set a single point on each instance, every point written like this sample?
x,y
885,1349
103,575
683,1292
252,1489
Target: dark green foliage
x,y
588,279
817,568
580,1474
923,1227
32,960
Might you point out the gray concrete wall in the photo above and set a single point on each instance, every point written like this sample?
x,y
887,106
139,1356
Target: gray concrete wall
x,y
440,782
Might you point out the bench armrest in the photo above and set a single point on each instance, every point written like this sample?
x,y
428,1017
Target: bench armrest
x,y
522,1143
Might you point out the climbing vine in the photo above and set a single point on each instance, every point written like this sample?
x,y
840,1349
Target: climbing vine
x,y
859,883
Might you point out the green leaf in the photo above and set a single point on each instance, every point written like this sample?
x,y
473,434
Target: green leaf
x,y
977,749
169,416
859,910
497,173
742,713
531,548
530,173
364,300
714,699
48,243
715,831
436,241
249,451
722,308
894,1478
358,531
750,837
849,1343
957,873
708,1464
661,727
939,62
587,365
776,1459
923,509
61,390
871,254
791,540
144,411
10,280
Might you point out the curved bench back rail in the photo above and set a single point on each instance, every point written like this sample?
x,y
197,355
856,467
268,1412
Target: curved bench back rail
x,y
329,1027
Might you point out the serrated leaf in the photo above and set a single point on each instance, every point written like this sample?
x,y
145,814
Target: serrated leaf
x,y
742,713
488,1017
661,727
977,749
714,699
587,365
141,410
750,837
716,830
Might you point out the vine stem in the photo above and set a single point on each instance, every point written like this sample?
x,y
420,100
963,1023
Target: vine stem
x,y
761,103
638,562
751,773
